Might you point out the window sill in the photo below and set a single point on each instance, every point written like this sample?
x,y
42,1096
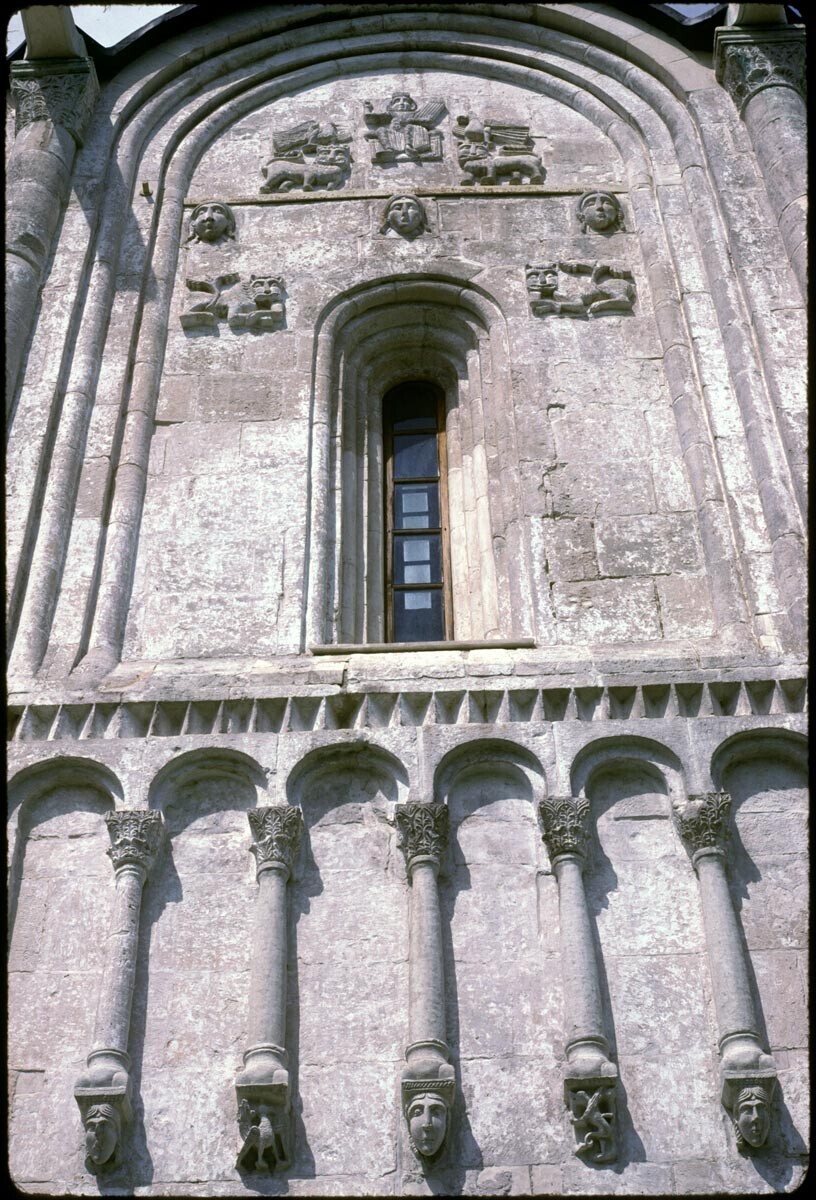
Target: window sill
x,y
407,647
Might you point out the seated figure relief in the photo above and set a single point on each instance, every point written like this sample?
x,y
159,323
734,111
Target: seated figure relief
x,y
403,132
574,289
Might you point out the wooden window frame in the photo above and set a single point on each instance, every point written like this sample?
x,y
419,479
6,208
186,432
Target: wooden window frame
x,y
388,402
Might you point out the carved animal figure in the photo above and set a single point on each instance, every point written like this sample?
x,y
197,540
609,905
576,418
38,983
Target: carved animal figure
x,y
259,305
264,1145
596,1126
327,170
488,166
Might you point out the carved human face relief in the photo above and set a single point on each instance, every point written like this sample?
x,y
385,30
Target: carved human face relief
x,y
401,102
427,1122
405,215
209,222
599,211
101,1135
753,1118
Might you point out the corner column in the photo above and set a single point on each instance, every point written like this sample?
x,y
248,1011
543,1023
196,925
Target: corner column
x,y
103,1093
262,1087
590,1082
748,1074
428,1077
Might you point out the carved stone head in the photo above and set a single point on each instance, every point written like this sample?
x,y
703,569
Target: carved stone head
x,y
211,221
543,279
427,1117
752,1116
265,290
599,211
401,102
102,1131
332,156
405,215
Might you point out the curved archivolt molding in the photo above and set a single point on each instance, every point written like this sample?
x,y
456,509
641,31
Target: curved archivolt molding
x,y
622,754
486,755
67,771
222,763
360,758
770,745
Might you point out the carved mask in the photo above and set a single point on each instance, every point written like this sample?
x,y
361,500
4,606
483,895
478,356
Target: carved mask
x,y
332,156
753,1120
599,211
401,102
542,279
101,1133
209,222
405,215
265,290
427,1116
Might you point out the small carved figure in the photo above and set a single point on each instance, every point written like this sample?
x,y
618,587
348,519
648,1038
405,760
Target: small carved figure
x,y
403,132
752,1117
404,215
204,314
264,1128
103,1128
592,1115
599,211
490,151
310,155
210,222
427,1117
255,305
608,290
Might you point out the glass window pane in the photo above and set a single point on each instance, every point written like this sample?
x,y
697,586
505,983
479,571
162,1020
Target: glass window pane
x,y
414,409
417,559
416,506
418,616
415,455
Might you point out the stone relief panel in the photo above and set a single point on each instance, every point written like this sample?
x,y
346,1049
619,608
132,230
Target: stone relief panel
x,y
404,216
600,212
311,156
403,131
211,222
577,289
492,152
256,304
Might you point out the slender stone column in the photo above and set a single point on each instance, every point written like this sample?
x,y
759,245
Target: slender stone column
x,y
762,67
262,1087
428,1077
748,1074
591,1077
53,99
103,1093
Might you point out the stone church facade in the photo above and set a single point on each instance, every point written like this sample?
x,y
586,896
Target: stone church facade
x,y
406,562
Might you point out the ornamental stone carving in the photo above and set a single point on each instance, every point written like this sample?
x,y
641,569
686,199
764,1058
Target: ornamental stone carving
x,y
62,91
257,304
265,1130
135,835
403,132
749,1107
748,61
310,156
426,1105
600,212
405,216
702,820
276,832
564,824
593,1117
423,829
493,152
575,289
211,222
102,1120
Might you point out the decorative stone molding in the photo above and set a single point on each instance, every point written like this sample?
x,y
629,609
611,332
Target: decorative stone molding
x,y
60,90
262,1087
490,152
257,304
211,222
424,831
405,215
103,1092
746,61
599,211
748,1074
590,1080
310,156
427,1083
403,132
575,289
564,824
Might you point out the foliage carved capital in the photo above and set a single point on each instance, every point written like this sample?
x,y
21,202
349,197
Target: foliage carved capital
x,y
748,61
564,824
276,831
136,836
702,821
60,90
424,830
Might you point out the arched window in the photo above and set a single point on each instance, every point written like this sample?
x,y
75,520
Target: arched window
x,y
417,574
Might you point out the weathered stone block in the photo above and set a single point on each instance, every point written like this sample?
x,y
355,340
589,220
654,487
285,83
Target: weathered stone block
x,y
647,545
570,542
604,610
593,490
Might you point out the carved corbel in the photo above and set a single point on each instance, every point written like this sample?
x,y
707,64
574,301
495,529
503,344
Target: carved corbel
x,y
590,1082
748,1074
428,1078
103,1093
262,1087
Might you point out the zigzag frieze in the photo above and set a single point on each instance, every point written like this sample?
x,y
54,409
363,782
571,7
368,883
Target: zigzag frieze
x,y
377,710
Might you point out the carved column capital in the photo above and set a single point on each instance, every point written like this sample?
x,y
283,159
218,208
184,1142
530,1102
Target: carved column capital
x,y
276,831
60,90
751,59
424,831
702,821
564,824
136,836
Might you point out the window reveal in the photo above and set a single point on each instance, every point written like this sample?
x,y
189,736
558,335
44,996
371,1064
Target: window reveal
x,y
418,605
